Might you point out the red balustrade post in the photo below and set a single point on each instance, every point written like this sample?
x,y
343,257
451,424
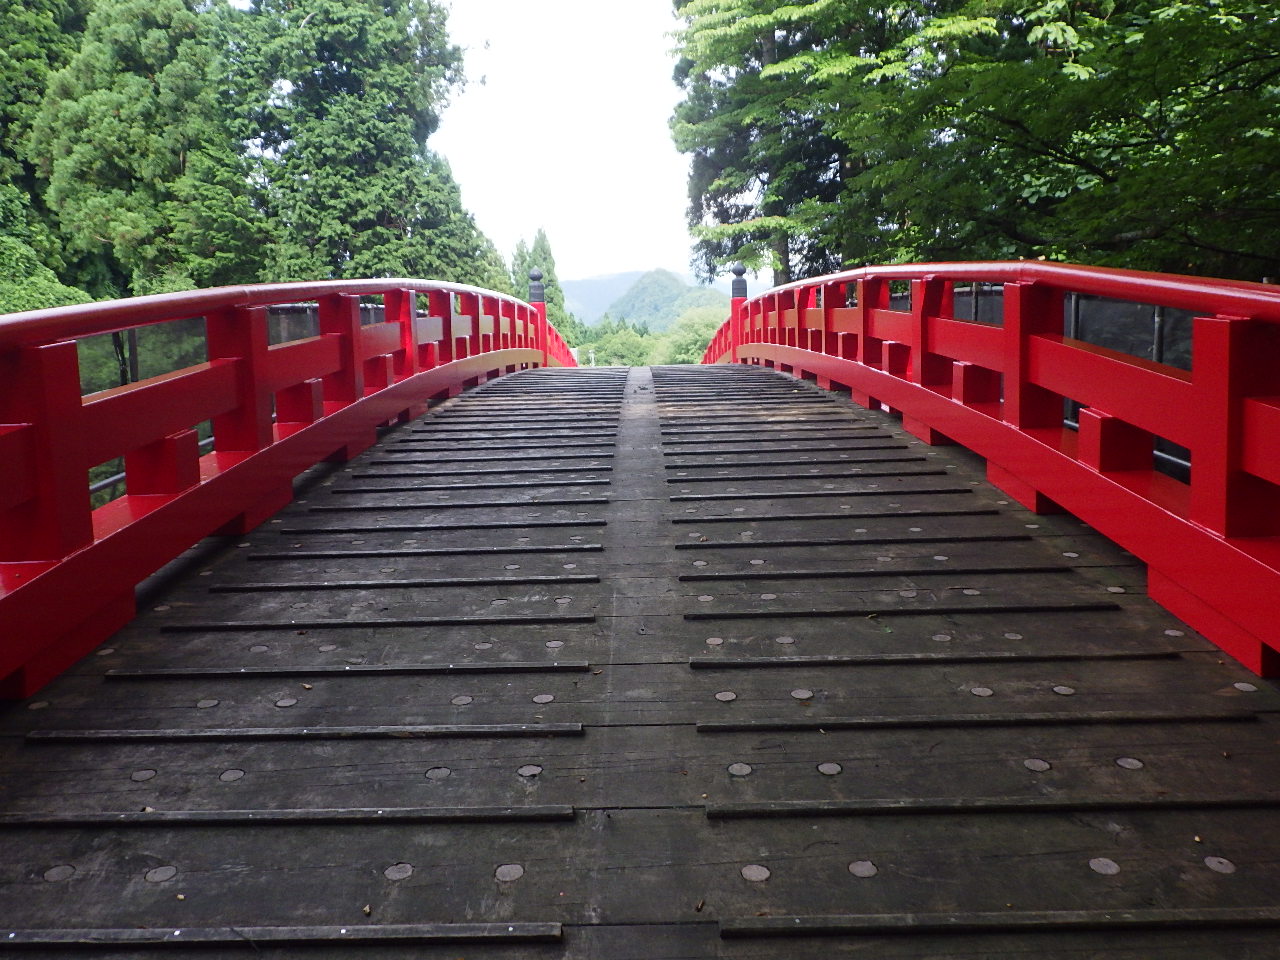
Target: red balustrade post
x,y
239,335
1232,358
1030,309
930,298
340,318
441,306
538,300
40,386
1109,445
737,310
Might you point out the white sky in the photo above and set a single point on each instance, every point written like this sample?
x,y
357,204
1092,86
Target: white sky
x,y
569,131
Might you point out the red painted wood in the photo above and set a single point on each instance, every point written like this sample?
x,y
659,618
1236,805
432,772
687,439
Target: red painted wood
x,y
1213,546
67,573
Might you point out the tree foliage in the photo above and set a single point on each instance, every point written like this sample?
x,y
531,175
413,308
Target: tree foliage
x,y
153,145
1126,132
526,258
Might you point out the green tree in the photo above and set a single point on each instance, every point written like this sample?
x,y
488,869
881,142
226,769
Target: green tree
x,y
1128,132
37,38
765,169
539,257
687,339
27,284
349,91
134,140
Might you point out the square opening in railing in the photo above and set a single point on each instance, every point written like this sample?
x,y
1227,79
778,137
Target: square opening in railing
x,y
900,295
978,303
117,359
1146,330
106,482
292,321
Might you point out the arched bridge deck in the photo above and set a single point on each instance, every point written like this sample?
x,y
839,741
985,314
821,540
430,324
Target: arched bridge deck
x,y
670,663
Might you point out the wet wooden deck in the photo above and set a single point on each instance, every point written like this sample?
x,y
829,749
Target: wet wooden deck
x,y
681,663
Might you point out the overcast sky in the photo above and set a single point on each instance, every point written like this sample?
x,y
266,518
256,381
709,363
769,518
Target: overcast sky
x,y
563,125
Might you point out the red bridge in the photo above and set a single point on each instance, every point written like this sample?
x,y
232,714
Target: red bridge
x,y
444,646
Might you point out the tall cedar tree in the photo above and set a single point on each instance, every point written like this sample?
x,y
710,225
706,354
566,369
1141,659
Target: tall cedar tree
x,y
354,88
37,38
133,137
539,256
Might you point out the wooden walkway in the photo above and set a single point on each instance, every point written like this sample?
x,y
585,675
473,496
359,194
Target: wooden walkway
x,y
649,664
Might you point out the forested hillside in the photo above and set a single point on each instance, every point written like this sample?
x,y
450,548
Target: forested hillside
x,y
829,133
659,298
154,145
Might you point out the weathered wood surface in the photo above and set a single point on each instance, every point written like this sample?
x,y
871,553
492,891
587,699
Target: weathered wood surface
x,y
670,664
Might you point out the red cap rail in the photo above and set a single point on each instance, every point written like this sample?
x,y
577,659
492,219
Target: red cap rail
x,y
68,572
1212,545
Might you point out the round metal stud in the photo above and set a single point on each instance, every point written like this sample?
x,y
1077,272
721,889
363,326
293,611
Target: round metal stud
x,y
286,702
141,776
570,566
1219,864
529,770
484,645
509,872
1013,636
1174,633
105,652
863,869
1036,765
982,691
908,594
1071,554
802,694
231,776
160,874
699,563
206,704
715,641
726,696
63,871
941,558
1129,763
1245,687
705,598
1115,590
554,644
38,705
943,637
785,641
438,773
563,600
398,871
768,596
1064,691
830,769
739,769
1105,866
543,698
755,873
970,592
756,563
462,700
327,647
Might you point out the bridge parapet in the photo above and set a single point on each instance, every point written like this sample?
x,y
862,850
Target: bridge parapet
x,y
68,572
1070,425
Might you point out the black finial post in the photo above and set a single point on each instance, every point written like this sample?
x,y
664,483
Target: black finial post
x,y
739,272
537,289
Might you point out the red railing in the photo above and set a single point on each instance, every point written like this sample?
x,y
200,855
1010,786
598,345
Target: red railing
x,y
1211,545
68,572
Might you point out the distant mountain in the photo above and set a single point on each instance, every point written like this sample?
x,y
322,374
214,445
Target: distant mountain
x,y
660,297
590,299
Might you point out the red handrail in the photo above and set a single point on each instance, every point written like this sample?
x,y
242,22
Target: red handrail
x,y
68,572
1212,545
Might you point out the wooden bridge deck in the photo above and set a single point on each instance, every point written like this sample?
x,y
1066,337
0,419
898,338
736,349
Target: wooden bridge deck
x,y
649,664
